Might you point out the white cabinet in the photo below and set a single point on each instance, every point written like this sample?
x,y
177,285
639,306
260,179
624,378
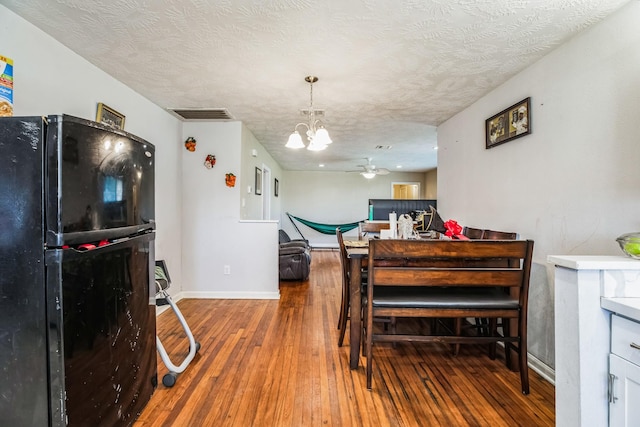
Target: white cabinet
x,y
586,290
624,373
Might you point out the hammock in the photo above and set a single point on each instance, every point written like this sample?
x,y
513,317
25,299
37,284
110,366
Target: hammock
x,y
322,228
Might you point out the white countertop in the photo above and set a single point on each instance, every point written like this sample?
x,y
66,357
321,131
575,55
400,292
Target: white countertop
x,y
594,262
628,307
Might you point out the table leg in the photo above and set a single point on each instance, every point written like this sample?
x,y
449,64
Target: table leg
x,y
355,275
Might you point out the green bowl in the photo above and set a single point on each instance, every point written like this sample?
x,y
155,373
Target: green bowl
x,y
630,244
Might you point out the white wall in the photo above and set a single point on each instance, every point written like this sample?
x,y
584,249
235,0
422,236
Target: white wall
x,y
213,235
573,185
51,79
333,198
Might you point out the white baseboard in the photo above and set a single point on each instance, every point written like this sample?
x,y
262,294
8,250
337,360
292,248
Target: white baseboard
x,y
542,369
324,245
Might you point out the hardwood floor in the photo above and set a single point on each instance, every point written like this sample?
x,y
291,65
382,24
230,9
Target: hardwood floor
x,y
277,363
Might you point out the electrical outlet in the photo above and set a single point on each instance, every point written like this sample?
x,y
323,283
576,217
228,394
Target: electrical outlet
x,y
227,269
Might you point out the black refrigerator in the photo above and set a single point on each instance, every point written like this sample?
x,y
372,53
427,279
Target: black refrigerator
x,y
77,306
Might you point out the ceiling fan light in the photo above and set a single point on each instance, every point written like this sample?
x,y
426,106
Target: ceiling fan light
x,y
322,136
368,175
295,141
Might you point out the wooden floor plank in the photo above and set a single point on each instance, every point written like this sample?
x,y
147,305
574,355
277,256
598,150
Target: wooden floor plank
x,y
277,363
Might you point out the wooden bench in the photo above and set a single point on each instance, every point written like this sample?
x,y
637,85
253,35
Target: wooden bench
x,y
450,279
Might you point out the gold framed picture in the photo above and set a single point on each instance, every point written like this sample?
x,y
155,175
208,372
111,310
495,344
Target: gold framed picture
x,y
509,124
110,117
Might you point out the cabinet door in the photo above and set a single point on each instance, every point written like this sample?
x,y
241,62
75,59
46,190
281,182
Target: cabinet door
x,y
625,393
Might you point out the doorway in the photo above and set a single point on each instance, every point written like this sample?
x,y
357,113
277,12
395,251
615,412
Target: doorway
x,y
405,190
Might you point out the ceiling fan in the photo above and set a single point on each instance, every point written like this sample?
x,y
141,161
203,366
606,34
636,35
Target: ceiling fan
x,y
370,170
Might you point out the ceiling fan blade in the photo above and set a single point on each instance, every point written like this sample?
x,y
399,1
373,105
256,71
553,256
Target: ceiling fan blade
x,y
382,171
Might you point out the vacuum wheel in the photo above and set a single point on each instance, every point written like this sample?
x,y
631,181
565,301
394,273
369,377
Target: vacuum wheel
x,y
197,347
169,379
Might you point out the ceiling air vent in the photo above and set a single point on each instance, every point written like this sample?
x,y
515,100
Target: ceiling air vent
x,y
202,113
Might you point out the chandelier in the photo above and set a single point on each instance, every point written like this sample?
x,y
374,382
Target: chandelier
x,y
316,133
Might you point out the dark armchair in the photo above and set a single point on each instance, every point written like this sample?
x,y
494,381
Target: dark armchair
x,y
294,258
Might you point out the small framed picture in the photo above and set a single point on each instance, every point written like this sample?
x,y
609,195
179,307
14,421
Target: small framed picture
x,y
109,116
258,181
276,187
509,124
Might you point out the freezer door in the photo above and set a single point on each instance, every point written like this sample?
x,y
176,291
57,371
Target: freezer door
x,y
23,351
99,182
102,332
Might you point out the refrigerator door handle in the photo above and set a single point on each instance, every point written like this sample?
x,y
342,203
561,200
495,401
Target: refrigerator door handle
x,y
57,255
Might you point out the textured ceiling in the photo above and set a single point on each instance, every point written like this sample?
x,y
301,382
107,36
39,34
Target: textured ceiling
x,y
390,71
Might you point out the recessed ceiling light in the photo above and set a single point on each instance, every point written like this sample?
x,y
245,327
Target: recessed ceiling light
x,y
399,166
321,165
435,148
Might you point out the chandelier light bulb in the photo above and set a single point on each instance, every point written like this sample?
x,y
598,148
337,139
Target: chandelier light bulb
x,y
322,137
295,141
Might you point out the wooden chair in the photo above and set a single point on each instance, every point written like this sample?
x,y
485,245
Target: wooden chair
x,y
482,325
344,303
365,227
473,233
451,279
